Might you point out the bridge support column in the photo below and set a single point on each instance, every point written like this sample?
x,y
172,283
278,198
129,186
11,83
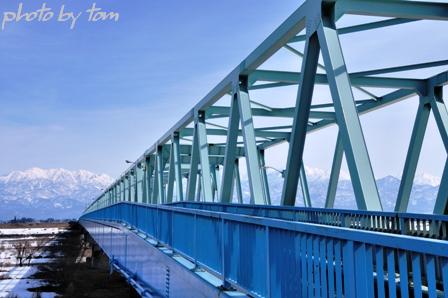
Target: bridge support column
x,y
363,180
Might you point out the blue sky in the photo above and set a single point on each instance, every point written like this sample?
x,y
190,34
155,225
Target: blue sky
x,y
104,92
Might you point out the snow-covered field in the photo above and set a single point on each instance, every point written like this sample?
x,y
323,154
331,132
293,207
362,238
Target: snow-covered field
x,y
29,244
31,231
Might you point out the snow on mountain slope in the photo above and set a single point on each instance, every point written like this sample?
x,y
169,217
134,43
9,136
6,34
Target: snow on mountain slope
x,y
60,193
422,199
44,193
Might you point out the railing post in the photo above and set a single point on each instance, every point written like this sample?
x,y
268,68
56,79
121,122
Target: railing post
x,y
268,263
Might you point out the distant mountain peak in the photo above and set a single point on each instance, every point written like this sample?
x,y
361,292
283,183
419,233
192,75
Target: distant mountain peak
x,y
57,175
38,192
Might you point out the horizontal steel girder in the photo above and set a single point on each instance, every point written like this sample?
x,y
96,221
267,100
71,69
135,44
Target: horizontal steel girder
x,y
294,78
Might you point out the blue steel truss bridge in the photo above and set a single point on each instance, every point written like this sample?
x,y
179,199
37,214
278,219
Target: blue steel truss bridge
x,y
178,224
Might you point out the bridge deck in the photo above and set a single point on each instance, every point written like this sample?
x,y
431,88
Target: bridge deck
x,y
265,256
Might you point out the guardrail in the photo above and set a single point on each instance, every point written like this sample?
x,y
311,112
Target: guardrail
x,y
268,257
421,225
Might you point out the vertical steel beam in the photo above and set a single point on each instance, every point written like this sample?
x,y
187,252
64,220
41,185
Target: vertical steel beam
x,y
129,178
155,183
214,182
415,147
203,156
144,182
239,191
177,167
199,187
229,157
218,182
300,122
119,191
170,185
149,179
160,199
135,184
193,173
335,172
355,148
250,145
304,187
264,177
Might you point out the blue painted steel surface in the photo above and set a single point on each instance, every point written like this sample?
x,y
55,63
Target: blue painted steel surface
x,y
151,270
421,225
268,251
268,257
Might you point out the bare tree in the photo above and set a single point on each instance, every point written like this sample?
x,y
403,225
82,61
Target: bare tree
x,y
23,250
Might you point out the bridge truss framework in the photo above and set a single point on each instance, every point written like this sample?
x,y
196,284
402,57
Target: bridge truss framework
x,y
184,153
152,197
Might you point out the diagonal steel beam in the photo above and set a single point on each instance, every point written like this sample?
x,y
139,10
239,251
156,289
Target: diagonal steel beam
x,y
335,173
304,187
264,177
300,122
193,174
358,161
441,116
415,147
230,155
201,130
237,182
148,171
441,205
250,145
177,167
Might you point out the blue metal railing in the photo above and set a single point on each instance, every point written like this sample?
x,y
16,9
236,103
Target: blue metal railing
x,y
268,257
421,225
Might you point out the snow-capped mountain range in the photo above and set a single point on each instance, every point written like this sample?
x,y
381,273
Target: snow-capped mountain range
x,y
60,193
49,193
422,199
